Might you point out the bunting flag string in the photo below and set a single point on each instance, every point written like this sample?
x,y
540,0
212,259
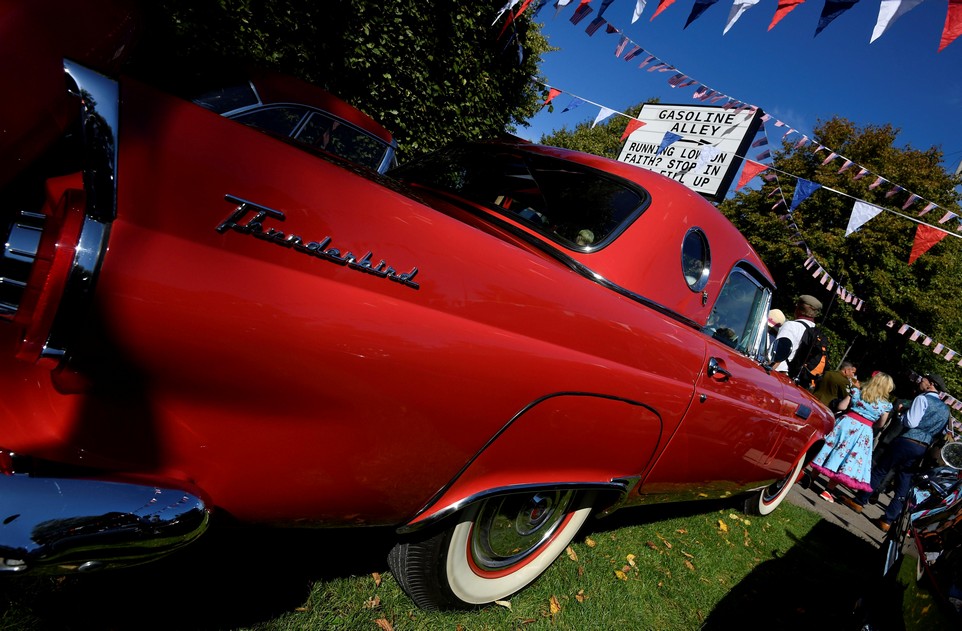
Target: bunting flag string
x,y
939,349
889,12
705,93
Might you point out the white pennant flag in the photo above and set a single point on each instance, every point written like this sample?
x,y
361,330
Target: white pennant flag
x,y
862,212
603,113
738,7
639,7
888,12
706,155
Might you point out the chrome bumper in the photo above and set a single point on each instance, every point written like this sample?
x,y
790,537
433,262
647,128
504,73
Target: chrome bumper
x,y
65,525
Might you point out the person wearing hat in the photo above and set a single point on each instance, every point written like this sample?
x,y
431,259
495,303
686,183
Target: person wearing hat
x,y
807,309
924,422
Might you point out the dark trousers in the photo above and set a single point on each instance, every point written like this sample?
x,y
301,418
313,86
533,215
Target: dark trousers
x,y
902,457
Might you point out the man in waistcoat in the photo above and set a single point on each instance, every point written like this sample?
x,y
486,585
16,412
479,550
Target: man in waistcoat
x,y
924,422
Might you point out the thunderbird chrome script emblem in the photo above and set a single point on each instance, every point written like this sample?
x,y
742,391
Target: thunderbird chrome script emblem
x,y
249,218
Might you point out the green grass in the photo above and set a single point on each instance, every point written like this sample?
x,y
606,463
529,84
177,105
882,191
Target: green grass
x,y
689,567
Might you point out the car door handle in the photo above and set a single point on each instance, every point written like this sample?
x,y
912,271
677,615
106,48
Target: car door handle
x,y
716,372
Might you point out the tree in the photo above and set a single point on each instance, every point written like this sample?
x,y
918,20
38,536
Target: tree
x,y
431,71
872,262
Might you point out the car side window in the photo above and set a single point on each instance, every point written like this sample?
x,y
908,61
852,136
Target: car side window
x,y
738,317
282,120
579,208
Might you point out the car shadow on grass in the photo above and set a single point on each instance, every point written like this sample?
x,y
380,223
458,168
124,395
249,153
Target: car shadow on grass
x,y
230,578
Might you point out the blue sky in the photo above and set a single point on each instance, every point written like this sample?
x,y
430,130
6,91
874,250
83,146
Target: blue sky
x,y
900,79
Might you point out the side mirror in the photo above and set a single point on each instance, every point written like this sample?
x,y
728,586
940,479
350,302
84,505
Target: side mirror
x,y
781,350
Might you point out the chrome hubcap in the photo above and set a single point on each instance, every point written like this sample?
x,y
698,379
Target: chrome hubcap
x,y
509,529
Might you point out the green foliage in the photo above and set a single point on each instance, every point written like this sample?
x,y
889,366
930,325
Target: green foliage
x,y
431,71
873,262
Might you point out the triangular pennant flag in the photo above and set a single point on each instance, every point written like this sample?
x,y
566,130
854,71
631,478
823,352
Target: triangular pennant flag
x,y
862,212
639,8
925,237
953,24
888,12
738,7
633,124
662,5
552,92
697,9
706,155
604,6
580,13
928,207
803,190
784,8
666,141
594,25
831,10
862,172
911,200
575,102
604,113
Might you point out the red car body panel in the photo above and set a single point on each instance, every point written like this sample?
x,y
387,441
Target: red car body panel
x,y
297,340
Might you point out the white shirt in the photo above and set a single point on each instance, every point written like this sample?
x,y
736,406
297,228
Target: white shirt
x,y
793,330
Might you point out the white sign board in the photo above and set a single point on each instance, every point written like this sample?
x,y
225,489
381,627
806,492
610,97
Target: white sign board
x,y
707,152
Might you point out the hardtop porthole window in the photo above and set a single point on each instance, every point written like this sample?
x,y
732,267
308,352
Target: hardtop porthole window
x,y
739,316
579,208
695,259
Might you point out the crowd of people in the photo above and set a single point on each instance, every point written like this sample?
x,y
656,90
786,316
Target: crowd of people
x,y
859,454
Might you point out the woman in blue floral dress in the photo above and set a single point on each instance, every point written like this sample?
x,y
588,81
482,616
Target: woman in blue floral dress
x,y
846,457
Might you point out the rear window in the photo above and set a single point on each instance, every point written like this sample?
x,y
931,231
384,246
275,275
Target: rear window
x,y
578,207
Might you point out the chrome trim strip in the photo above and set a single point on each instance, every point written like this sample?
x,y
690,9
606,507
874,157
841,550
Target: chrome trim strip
x,y
617,486
100,122
65,525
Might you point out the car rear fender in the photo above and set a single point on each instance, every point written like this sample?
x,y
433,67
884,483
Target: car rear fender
x,y
563,440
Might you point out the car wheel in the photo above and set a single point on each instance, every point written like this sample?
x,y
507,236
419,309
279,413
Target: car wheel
x,y
494,549
768,499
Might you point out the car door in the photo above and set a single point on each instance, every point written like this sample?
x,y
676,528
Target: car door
x,y
735,432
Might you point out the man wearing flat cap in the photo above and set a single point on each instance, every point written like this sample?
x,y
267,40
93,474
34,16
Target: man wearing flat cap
x,y
807,309
923,423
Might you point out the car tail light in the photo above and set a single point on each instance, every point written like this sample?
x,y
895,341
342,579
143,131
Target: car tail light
x,y
52,254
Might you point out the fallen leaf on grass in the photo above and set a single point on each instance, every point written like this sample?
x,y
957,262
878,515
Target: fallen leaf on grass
x,y
690,556
682,531
651,544
504,603
689,565
372,603
621,575
377,578
384,625
631,560
571,553
580,596
590,542
301,609
664,541
722,526
553,605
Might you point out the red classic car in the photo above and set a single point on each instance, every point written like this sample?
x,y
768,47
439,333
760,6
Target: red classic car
x,y
480,349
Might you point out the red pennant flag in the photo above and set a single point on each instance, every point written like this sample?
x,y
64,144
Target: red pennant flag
x,y
953,24
784,8
925,237
662,5
552,92
633,124
750,170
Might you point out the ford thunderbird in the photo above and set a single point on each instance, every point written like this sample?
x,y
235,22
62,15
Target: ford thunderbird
x,y
202,312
